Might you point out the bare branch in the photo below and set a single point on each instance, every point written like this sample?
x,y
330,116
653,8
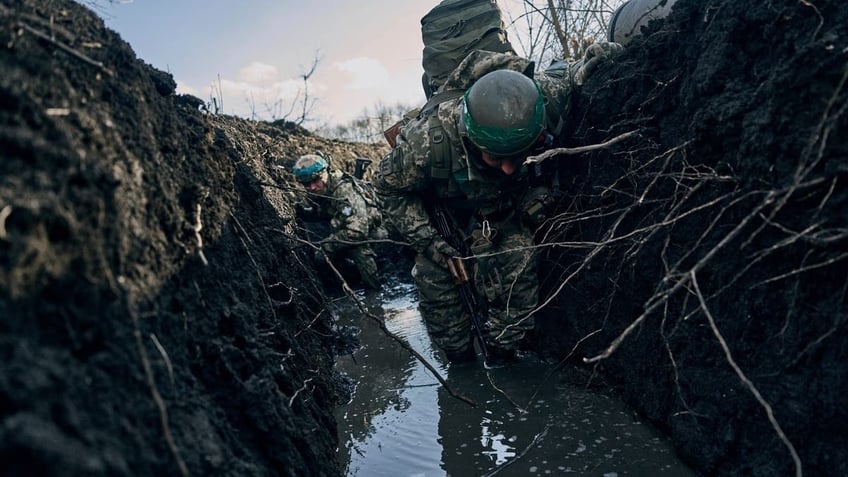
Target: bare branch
x,y
154,392
578,150
747,382
382,325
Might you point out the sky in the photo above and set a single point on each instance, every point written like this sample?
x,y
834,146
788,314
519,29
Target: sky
x,y
252,53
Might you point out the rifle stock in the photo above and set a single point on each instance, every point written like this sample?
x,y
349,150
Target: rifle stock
x,y
457,269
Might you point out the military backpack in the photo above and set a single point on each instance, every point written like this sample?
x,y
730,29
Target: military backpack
x,y
452,30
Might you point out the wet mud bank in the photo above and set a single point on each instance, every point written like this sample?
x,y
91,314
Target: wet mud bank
x,y
157,314
160,315
701,264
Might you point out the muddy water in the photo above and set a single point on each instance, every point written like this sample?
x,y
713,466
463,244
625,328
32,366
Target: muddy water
x,y
402,422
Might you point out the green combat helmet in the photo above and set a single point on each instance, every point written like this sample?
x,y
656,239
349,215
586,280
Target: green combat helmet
x,y
309,167
504,113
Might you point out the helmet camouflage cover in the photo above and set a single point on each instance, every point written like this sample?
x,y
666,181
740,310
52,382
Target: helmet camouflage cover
x,y
309,167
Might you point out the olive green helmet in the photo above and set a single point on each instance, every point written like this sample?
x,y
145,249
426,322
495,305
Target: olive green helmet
x,y
504,113
309,167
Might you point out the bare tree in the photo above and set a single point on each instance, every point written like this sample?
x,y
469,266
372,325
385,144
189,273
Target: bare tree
x,y
558,29
541,30
369,126
307,103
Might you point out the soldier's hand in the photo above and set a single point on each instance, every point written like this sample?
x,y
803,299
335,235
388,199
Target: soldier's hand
x,y
318,256
536,212
595,54
439,250
538,205
327,244
305,210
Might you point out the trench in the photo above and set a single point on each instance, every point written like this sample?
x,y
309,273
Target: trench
x,y
402,422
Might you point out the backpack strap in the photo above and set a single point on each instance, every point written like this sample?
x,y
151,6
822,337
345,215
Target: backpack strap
x,y
439,98
555,122
440,149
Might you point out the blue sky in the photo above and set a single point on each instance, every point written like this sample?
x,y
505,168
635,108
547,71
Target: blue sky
x,y
370,50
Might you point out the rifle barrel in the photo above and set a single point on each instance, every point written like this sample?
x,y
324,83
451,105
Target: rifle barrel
x,y
457,269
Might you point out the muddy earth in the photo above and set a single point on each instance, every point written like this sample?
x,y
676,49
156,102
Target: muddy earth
x,y
160,313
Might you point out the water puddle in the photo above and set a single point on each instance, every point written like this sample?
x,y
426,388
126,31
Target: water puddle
x,y
402,422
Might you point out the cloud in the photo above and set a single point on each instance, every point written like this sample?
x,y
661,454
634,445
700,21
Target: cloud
x,y
366,73
258,91
268,98
258,73
185,88
340,93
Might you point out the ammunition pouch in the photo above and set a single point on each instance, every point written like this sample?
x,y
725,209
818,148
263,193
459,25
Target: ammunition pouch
x,y
535,209
482,239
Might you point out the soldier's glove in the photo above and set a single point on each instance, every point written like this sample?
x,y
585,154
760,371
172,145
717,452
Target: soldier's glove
x,y
595,54
536,213
318,257
378,232
537,209
438,251
305,210
328,245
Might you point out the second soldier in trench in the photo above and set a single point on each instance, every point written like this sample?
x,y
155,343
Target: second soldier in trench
x,y
351,209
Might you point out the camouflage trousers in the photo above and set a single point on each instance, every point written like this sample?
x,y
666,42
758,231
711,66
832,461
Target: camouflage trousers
x,y
365,261
505,276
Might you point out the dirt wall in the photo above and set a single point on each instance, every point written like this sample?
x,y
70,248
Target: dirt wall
x,y
158,317
701,264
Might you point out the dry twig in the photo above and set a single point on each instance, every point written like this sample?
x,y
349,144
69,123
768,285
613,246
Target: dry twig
x,y
298,391
154,391
747,382
578,150
255,265
382,325
536,439
66,48
164,354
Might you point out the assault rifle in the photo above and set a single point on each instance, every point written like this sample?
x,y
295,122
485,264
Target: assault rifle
x,y
460,274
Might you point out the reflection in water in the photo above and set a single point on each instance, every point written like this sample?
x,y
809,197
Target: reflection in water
x,y
401,422
501,450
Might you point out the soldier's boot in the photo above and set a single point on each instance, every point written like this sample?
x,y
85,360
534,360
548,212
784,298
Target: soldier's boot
x,y
463,355
367,268
528,345
499,356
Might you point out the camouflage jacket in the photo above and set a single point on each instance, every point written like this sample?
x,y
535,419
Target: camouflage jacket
x,y
431,160
351,209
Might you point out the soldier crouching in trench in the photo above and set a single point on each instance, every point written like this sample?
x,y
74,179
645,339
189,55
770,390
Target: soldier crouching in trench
x,y
460,161
351,210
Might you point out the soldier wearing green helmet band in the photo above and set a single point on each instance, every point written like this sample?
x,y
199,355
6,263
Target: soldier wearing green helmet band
x,y
466,150
510,119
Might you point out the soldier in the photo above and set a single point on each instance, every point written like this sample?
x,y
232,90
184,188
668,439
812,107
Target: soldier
x,y
351,210
465,150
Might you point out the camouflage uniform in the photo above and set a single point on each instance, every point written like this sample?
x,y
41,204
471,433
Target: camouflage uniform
x,y
354,217
432,161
